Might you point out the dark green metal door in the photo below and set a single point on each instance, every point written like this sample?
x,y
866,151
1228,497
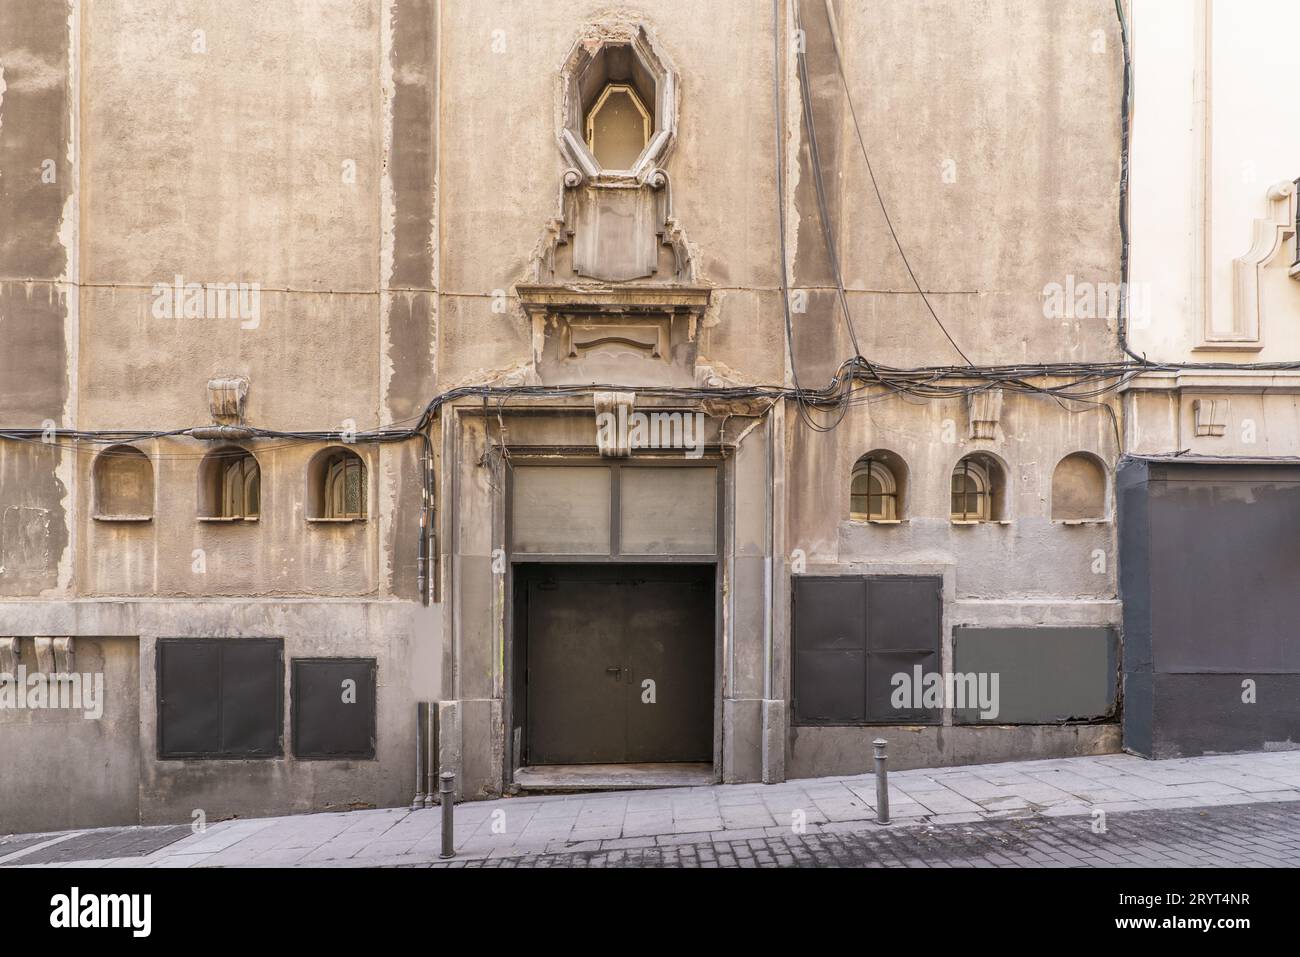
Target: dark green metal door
x,y
619,663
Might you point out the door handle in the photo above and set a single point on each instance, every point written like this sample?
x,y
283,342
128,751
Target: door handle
x,y
613,670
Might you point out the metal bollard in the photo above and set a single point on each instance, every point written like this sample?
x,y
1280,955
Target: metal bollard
x,y
882,782
446,792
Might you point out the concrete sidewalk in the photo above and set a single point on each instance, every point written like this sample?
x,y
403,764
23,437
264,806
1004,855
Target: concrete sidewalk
x,y
515,827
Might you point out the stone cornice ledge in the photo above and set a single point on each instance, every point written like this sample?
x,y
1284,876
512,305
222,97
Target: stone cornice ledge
x,y
543,299
1214,380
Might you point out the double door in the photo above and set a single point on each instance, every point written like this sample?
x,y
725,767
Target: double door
x,y
619,663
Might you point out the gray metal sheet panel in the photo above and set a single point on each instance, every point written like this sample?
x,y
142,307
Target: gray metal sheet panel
x,y
220,697
331,718
852,636
1224,568
189,697
1044,675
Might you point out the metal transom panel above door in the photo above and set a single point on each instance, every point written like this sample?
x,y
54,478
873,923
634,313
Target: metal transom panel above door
x,y
620,662
626,511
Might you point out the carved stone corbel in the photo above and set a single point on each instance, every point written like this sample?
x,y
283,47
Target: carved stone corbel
x,y
226,398
9,654
65,656
612,412
45,655
985,411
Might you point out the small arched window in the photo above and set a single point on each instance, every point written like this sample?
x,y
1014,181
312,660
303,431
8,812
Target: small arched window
x,y
230,486
336,486
978,490
876,492
123,481
1079,489
618,127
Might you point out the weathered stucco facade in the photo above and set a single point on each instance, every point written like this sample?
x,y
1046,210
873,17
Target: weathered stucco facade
x,y
394,180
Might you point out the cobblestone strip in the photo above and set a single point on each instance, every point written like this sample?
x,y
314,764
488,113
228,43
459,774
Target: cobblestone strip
x,y
1254,835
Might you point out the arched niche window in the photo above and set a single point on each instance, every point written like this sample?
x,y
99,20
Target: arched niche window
x,y
876,492
618,126
123,480
336,486
230,486
1079,489
978,490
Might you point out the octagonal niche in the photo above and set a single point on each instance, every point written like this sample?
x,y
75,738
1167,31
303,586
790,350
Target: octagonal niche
x,y
619,112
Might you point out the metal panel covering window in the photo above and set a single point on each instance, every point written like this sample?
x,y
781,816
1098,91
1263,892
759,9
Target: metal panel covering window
x,y
649,511
334,708
562,510
852,636
667,511
220,698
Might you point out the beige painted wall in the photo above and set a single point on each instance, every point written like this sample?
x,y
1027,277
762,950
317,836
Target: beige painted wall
x,y
65,769
1201,170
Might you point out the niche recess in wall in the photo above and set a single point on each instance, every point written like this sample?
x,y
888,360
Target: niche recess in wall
x,y
1079,489
123,485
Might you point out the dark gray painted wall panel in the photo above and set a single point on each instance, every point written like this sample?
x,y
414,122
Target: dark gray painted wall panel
x,y
1045,675
1209,563
1224,569
1205,714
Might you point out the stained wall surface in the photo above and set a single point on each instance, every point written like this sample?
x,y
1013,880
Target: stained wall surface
x,y
379,175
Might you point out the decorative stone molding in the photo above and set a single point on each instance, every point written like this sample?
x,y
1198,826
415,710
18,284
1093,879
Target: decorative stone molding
x,y
9,654
646,338
1210,417
613,442
45,656
634,334
985,411
226,398
65,656
615,225
616,51
613,302
1270,234
613,234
